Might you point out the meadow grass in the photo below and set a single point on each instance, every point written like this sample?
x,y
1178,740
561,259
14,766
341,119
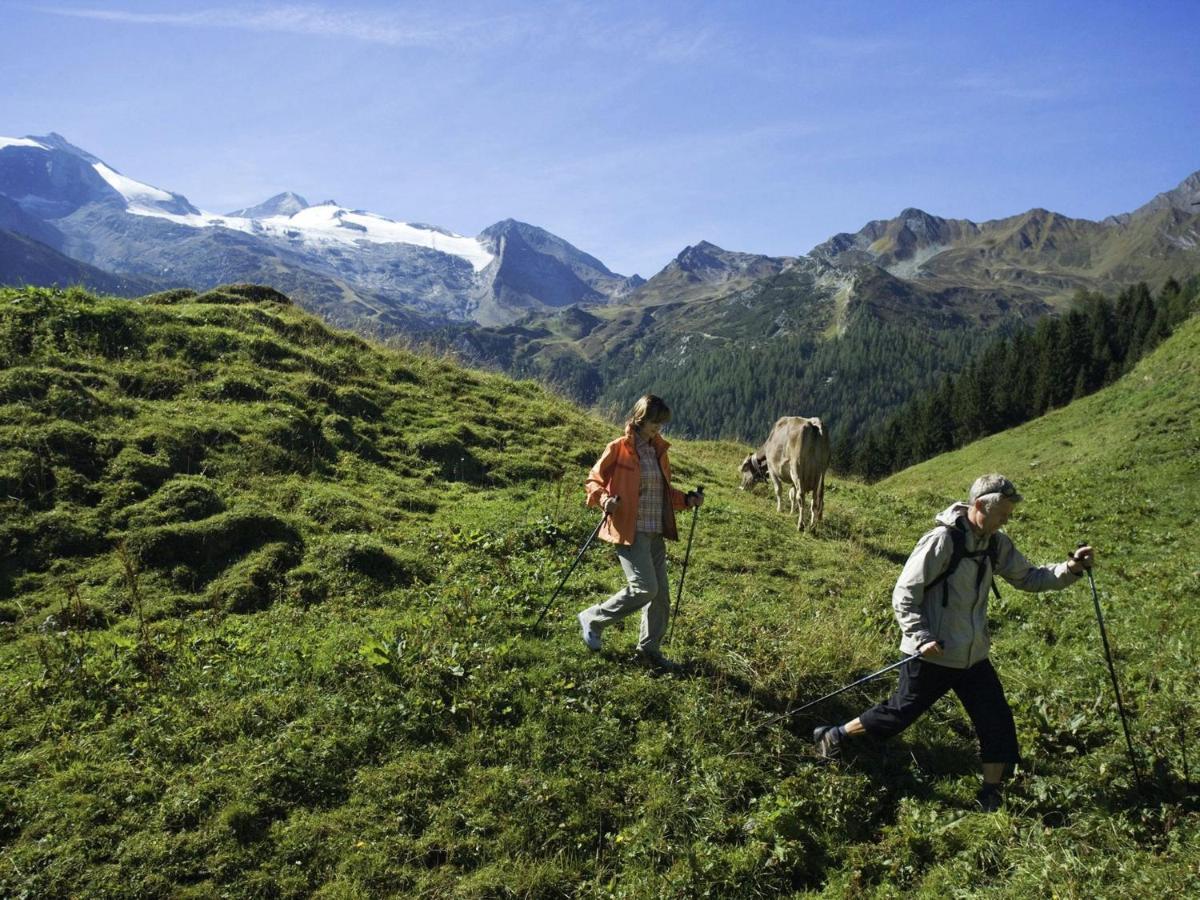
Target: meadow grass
x,y
265,603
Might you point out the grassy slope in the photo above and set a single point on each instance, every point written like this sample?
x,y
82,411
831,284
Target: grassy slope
x,y
334,690
1119,469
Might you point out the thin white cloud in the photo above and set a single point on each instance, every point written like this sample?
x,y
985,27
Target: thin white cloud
x,y
853,47
650,38
1007,88
408,30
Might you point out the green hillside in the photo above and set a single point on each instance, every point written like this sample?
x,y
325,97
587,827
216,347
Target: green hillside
x,y
27,261
792,344
265,596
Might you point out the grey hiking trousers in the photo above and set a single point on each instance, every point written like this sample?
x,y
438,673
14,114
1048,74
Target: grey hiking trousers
x,y
645,565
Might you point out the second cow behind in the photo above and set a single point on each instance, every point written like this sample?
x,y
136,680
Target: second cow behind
x,y
797,451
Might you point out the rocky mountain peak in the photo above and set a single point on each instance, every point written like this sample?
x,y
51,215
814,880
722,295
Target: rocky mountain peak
x,y
702,257
56,141
285,204
921,224
1185,197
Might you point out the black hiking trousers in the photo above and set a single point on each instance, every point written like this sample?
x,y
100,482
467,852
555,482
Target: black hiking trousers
x,y
978,689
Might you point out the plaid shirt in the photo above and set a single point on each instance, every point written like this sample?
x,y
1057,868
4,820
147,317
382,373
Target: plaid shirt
x,y
651,495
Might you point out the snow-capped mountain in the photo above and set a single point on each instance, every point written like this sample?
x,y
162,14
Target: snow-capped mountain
x,y
285,204
347,264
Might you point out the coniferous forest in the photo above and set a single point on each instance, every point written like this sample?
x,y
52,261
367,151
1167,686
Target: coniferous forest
x,y
852,382
893,391
1023,376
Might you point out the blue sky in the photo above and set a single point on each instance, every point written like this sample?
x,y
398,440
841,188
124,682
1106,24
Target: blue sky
x,y
629,129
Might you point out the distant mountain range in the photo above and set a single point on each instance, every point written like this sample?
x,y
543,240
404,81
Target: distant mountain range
x,y
355,268
518,296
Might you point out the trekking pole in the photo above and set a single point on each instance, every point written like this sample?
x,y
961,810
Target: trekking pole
x,y
1112,671
864,680
578,557
683,573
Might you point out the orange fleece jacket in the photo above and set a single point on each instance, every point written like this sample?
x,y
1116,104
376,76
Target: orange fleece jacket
x,y
617,473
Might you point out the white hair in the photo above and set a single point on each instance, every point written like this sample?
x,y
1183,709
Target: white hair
x,y
988,502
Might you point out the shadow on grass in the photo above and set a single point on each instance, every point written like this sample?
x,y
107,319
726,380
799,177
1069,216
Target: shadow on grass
x,y
892,556
897,767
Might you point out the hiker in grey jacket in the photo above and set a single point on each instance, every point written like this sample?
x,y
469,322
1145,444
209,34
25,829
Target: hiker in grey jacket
x,y
940,601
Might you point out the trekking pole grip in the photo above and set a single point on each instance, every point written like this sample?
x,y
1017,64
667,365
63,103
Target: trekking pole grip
x,y
1074,557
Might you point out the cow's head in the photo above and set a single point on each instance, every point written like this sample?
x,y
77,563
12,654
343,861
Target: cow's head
x,y
753,468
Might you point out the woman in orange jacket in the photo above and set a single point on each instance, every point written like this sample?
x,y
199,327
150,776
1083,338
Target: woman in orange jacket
x,y
631,482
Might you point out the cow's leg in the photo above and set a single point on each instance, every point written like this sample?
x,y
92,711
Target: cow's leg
x,y
798,494
778,485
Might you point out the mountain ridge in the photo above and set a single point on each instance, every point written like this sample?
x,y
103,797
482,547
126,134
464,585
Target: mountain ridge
x,y
421,275
426,277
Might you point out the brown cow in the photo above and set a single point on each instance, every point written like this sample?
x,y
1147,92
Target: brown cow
x,y
796,452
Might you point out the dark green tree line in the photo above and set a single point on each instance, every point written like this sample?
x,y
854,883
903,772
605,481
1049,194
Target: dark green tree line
x,y
738,390
1023,376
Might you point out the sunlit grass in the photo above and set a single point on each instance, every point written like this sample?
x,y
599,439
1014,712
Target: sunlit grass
x,y
317,675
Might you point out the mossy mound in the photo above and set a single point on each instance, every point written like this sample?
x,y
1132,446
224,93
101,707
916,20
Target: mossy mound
x,y
187,498
241,293
177,420
256,581
208,543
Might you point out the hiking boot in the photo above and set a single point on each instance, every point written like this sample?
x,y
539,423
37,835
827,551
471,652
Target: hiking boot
x,y
656,661
590,637
828,739
989,798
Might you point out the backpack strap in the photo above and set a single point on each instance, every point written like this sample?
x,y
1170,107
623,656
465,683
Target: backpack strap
x,y
958,551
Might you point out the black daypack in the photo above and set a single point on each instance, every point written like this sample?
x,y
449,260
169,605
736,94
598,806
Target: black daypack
x,y
959,552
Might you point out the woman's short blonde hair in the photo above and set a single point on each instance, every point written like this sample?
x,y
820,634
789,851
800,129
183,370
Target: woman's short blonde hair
x,y
648,409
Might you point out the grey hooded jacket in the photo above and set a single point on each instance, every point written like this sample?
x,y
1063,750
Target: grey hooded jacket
x,y
955,612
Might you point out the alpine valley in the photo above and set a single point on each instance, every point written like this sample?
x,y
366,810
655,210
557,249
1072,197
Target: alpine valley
x,y
735,339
